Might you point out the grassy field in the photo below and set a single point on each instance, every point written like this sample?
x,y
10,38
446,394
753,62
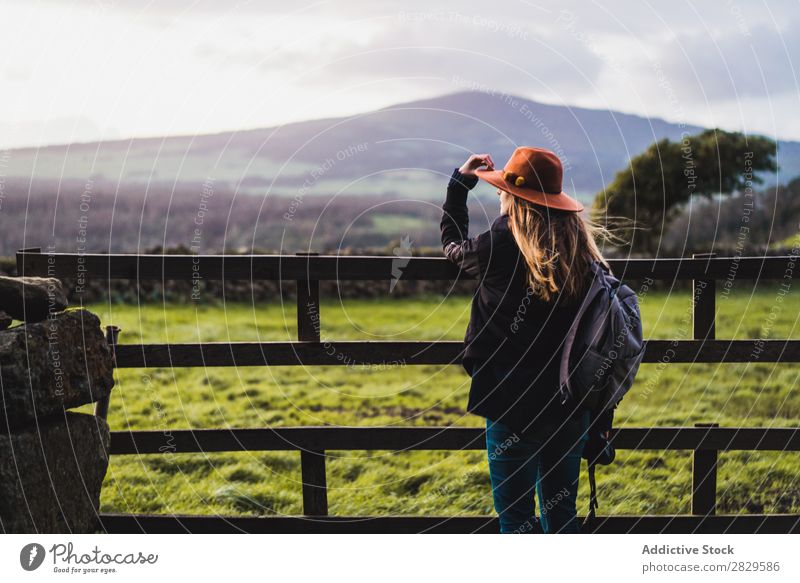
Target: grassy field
x,y
442,483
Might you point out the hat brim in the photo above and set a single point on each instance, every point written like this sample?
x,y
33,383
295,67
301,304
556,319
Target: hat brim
x,y
561,201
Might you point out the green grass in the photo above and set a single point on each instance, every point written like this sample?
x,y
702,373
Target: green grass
x,y
365,483
390,223
788,243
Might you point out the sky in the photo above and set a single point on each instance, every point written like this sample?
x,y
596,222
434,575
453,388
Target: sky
x,y
85,70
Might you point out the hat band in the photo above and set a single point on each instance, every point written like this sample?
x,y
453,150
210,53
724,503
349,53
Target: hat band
x,y
521,182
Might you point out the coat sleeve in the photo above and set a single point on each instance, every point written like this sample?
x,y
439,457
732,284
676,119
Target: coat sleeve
x,y
456,244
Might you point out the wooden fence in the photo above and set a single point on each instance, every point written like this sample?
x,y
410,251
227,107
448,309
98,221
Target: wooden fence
x,y
307,270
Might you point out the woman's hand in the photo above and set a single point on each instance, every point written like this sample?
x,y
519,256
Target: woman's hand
x,y
474,162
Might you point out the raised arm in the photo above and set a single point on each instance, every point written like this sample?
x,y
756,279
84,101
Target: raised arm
x,y
456,244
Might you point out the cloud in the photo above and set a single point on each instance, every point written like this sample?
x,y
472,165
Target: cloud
x,y
518,59
731,65
517,55
220,65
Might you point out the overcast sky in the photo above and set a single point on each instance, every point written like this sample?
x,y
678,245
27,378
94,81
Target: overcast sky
x,y
78,70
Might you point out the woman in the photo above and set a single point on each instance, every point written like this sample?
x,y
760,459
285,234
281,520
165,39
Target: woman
x,y
533,267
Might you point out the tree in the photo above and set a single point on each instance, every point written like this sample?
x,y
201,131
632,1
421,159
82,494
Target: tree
x,y
647,196
745,223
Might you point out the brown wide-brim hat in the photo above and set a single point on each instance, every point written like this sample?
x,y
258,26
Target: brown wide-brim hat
x,y
533,174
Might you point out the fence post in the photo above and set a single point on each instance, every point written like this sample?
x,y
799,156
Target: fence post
x,y
101,406
704,478
704,461
704,304
315,486
21,258
308,317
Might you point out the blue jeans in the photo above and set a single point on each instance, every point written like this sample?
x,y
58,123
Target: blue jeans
x,y
548,459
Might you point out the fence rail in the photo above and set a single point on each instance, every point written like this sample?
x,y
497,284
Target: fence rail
x,y
667,524
698,438
328,267
354,353
705,441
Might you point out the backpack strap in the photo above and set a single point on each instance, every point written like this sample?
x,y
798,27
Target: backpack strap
x,y
596,286
592,495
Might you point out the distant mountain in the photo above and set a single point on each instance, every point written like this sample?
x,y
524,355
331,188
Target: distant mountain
x,y
406,150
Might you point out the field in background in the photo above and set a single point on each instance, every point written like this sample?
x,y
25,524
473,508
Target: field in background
x,y
433,483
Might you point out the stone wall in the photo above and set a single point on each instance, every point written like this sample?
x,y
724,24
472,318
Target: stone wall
x,y
52,460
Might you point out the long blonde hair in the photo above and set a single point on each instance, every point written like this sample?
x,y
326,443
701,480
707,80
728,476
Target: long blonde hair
x,y
557,246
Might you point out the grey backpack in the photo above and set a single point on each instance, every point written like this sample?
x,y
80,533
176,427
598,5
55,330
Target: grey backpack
x,y
604,346
601,356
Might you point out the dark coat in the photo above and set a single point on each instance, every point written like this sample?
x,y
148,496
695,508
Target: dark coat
x,y
513,337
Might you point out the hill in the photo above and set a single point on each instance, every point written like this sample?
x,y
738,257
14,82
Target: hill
x,y
402,150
